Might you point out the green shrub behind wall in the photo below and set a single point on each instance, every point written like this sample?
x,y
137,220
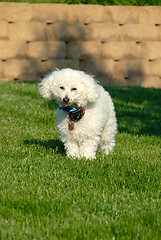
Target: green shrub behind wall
x,y
116,2
101,2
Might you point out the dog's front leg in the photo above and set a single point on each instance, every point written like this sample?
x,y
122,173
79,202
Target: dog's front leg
x,y
71,148
88,149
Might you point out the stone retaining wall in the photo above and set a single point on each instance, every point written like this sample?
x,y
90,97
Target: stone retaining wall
x,y
119,45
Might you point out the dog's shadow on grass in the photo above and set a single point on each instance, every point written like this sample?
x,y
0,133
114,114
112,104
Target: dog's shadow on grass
x,y
54,144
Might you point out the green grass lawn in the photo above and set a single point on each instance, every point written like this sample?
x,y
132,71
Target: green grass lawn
x,y
46,195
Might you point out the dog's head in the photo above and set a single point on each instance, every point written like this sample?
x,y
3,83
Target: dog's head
x,y
69,87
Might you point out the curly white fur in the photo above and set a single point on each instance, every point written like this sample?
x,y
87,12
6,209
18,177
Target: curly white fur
x,y
97,128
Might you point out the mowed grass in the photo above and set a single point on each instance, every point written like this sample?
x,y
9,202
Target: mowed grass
x,y
46,195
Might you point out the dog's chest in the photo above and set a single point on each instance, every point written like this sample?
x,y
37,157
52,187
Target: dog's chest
x,y
70,119
71,128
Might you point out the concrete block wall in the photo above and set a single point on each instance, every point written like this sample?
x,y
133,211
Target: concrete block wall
x,y
120,45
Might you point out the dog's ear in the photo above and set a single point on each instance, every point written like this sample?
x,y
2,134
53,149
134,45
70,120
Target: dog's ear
x,y
45,87
91,88
92,94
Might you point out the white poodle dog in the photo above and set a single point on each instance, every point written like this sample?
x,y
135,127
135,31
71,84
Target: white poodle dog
x,y
86,116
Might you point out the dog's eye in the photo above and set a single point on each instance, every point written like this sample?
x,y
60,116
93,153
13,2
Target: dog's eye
x,y
73,89
63,88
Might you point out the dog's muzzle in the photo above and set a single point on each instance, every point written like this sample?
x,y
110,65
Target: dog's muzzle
x,y
65,99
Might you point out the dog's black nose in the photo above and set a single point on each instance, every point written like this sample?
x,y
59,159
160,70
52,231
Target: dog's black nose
x,y
66,99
